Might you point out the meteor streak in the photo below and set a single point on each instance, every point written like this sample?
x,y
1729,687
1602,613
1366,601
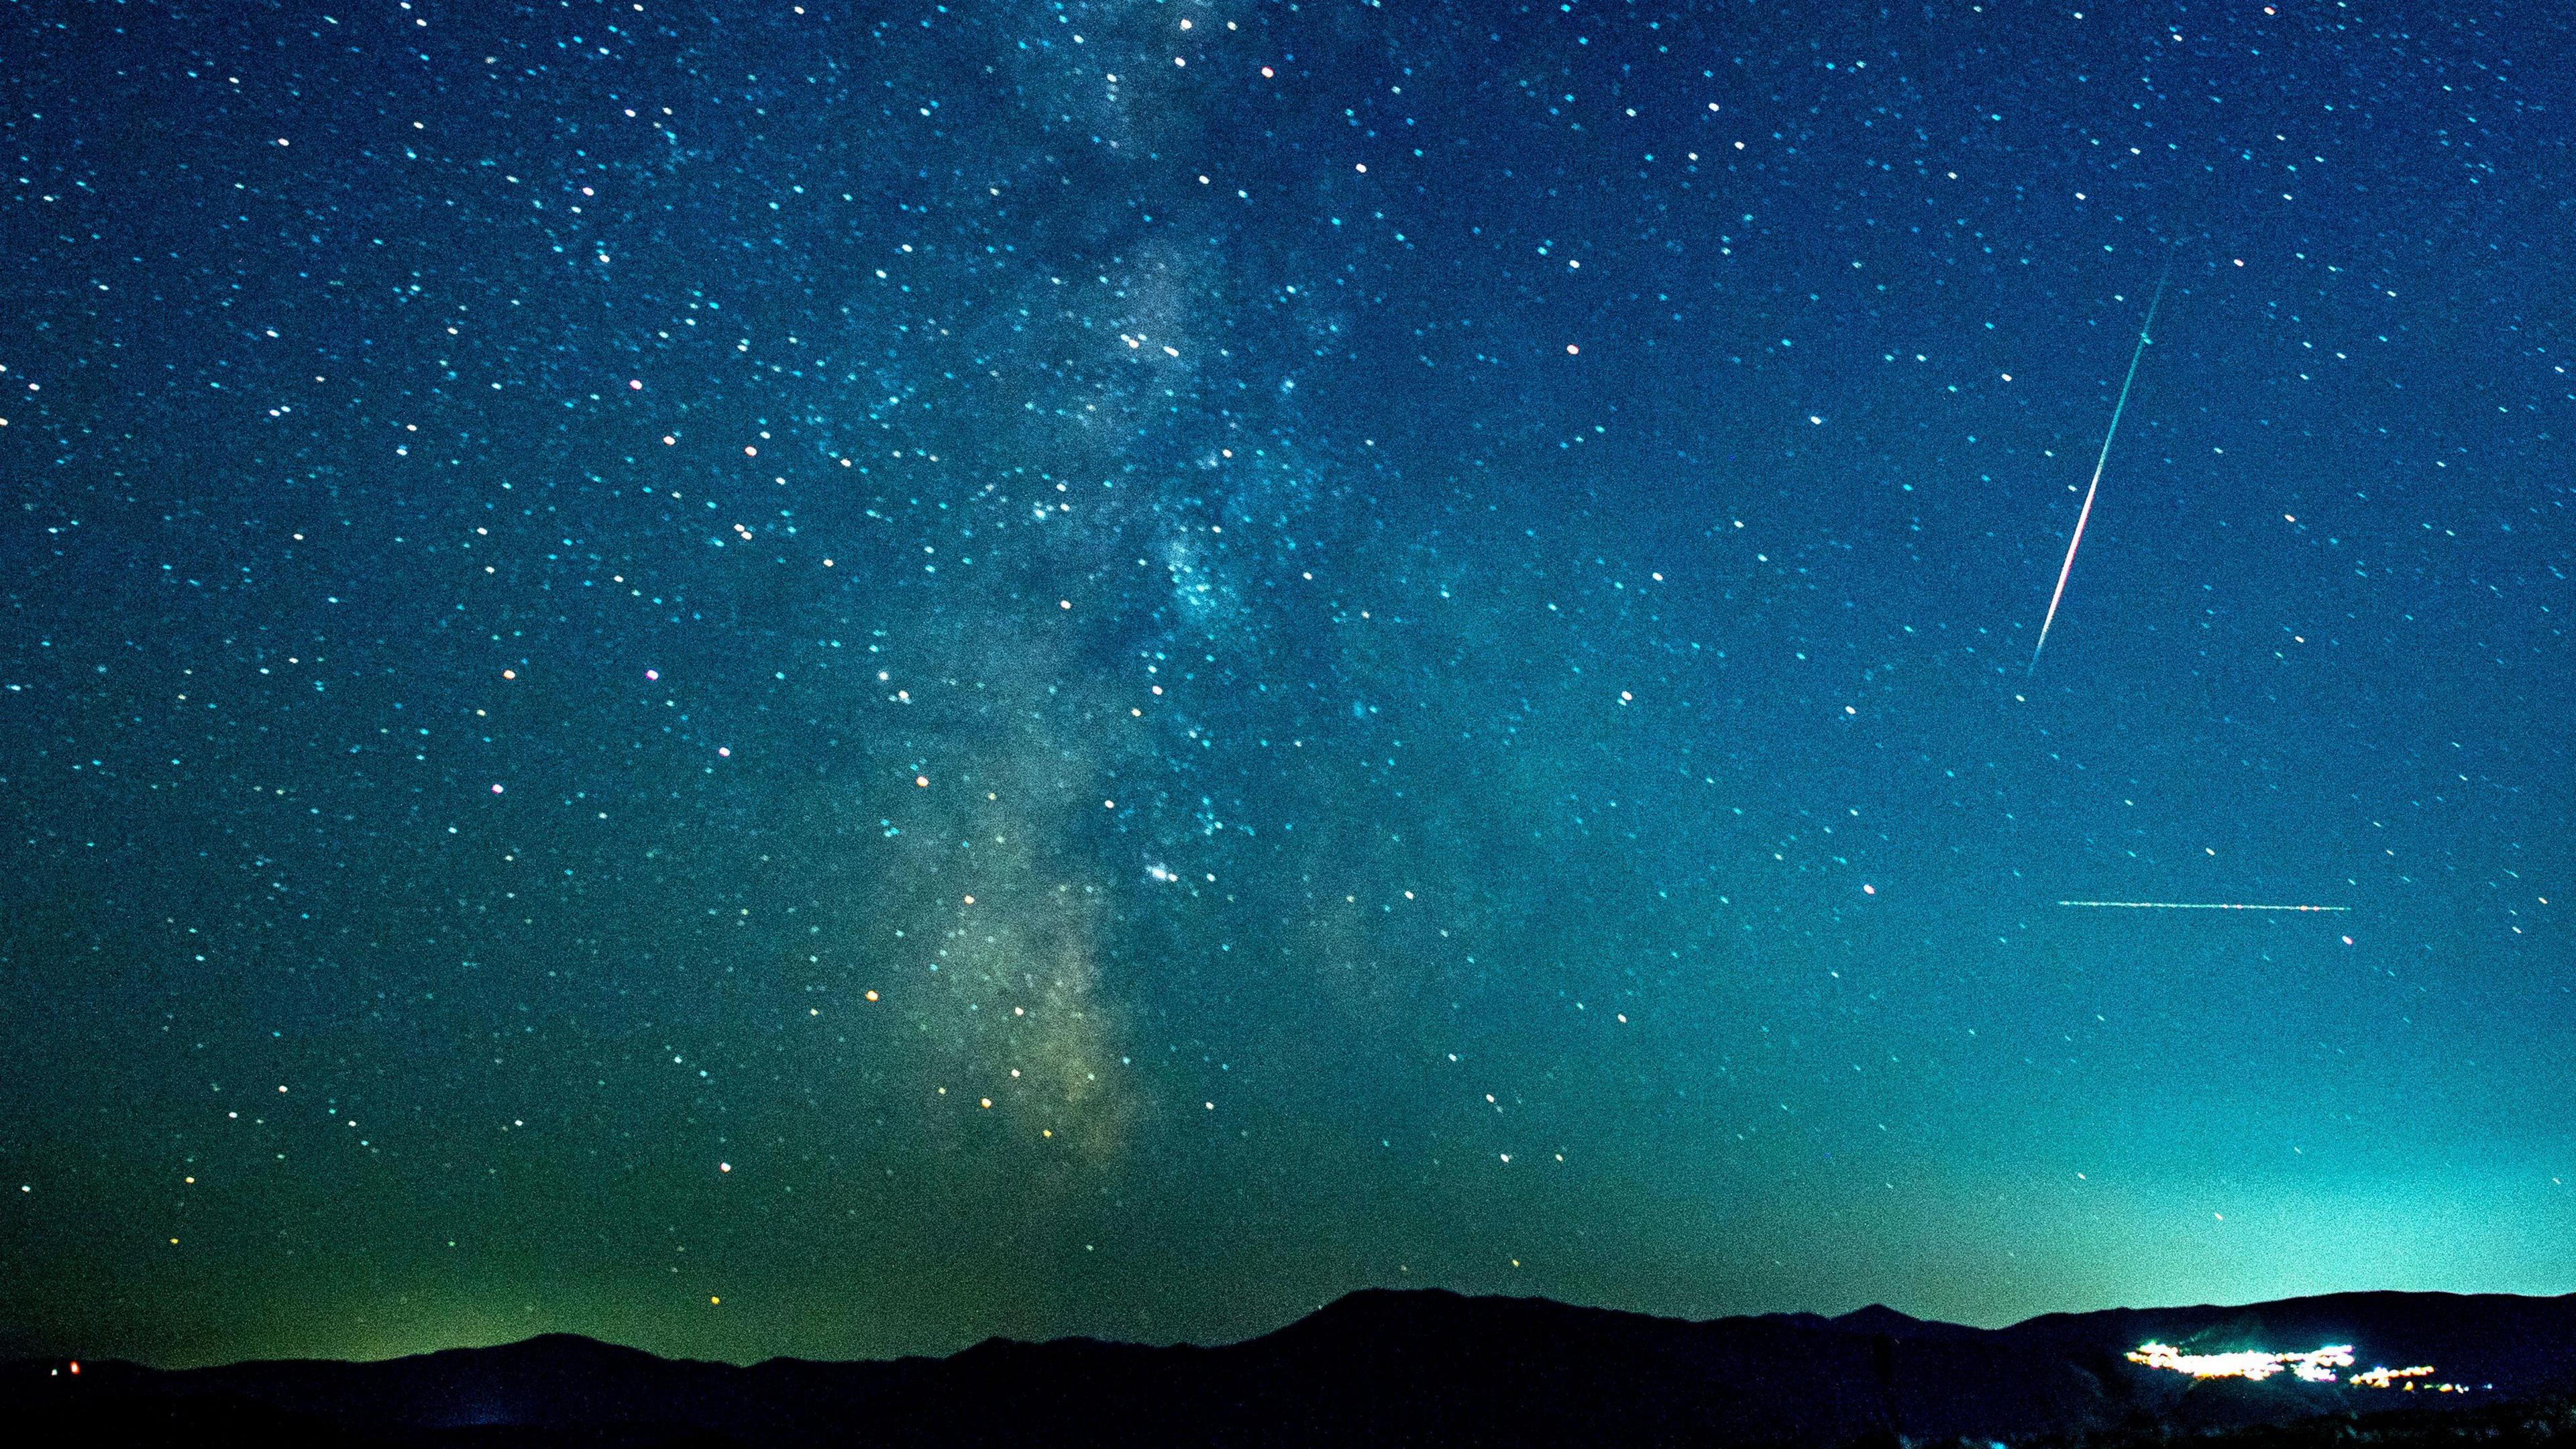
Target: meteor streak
x,y
2086,513
2192,906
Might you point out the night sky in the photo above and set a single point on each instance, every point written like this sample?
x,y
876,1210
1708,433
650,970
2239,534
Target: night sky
x,y
831,679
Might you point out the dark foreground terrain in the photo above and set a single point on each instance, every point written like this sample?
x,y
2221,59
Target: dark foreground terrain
x,y
1419,1368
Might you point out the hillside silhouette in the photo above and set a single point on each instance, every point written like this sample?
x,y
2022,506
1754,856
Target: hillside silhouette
x,y
1416,1368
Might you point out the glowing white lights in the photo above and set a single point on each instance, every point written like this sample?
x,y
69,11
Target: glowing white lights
x,y
2316,1366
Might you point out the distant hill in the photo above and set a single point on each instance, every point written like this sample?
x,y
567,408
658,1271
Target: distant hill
x,y
1416,1368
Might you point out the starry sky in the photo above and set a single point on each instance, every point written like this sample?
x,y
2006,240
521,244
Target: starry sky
x,y
834,678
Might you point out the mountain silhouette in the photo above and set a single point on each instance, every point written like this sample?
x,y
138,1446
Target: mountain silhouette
x,y
1375,1367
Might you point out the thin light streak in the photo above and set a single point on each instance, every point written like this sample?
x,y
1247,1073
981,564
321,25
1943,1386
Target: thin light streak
x,y
2086,513
2193,906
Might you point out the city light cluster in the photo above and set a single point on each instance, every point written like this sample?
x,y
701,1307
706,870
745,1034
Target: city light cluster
x,y
2316,1366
